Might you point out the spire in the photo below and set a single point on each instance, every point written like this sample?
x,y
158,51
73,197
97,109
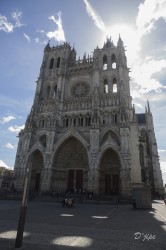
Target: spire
x,y
148,106
47,46
73,49
84,57
120,42
109,43
122,61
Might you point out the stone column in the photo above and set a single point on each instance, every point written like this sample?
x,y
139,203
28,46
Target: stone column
x,y
125,175
50,141
46,179
93,177
47,168
20,172
124,133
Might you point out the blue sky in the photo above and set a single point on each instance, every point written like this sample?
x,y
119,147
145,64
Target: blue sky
x,y
26,27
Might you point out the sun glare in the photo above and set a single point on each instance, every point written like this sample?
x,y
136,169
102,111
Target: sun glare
x,y
129,37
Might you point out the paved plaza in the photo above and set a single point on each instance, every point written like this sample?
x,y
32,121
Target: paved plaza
x,y
50,226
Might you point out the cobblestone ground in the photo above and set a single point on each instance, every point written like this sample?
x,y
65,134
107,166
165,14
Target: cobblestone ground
x,y
50,226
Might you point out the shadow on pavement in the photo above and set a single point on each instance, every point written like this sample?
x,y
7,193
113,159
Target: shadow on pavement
x,y
50,226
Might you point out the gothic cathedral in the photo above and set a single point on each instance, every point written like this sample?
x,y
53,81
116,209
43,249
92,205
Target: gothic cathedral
x,y
82,132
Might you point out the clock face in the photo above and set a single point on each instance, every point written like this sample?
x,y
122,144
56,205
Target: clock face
x,y
80,89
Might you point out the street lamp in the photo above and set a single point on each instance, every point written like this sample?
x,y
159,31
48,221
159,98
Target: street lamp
x,y
23,208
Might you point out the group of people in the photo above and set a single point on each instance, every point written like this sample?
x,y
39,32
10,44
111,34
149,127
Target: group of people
x,y
68,202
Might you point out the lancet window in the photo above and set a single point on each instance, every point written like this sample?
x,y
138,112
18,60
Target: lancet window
x,y
141,155
55,91
58,62
113,61
114,85
51,63
105,86
105,64
114,118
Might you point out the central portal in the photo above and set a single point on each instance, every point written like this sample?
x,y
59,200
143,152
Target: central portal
x,y
70,166
75,179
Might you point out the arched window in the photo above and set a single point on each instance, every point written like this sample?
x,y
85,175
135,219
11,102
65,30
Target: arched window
x,y
105,86
58,62
81,121
55,90
105,64
114,118
48,92
51,63
88,120
141,155
67,122
113,61
43,123
114,85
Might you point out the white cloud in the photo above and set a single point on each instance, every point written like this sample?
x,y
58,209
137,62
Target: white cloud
x,y
163,170
9,145
96,18
27,37
162,150
41,31
149,12
5,25
37,40
16,15
16,129
139,105
3,164
163,166
58,34
142,73
7,119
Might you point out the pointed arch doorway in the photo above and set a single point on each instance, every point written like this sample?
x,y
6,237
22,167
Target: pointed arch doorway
x,y
109,180
75,179
36,171
70,166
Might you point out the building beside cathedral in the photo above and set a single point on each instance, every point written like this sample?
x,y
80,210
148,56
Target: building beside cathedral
x,y
82,132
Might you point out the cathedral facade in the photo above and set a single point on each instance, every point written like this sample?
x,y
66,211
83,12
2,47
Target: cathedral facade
x,y
82,132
